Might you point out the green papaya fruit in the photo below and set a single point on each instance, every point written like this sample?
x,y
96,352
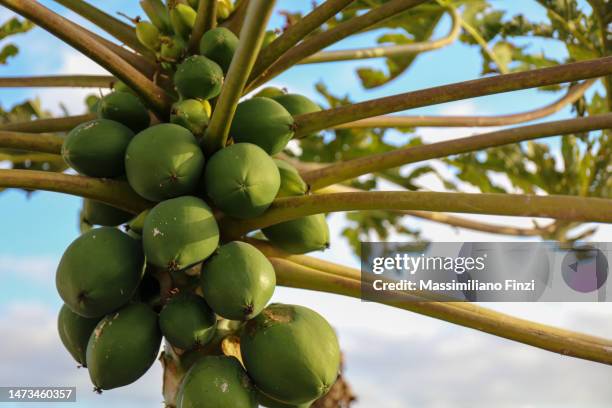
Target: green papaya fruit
x,y
74,331
123,346
198,77
291,353
269,402
98,213
224,9
99,271
264,122
172,49
192,114
242,180
219,44
148,35
120,86
96,148
164,161
124,108
182,18
187,322
306,234
179,233
297,105
216,382
269,92
291,183
238,281
158,14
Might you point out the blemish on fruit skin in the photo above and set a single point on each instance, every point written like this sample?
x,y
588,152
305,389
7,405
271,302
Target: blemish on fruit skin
x,y
222,384
157,232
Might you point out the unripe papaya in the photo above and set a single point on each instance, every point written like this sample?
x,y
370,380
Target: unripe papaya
x,y
291,183
148,35
192,114
182,18
264,122
187,322
219,44
216,382
98,213
224,9
124,108
269,402
242,180
123,346
158,14
198,77
297,105
99,271
164,161
238,281
120,86
96,148
306,234
74,331
172,49
291,353
179,233
269,92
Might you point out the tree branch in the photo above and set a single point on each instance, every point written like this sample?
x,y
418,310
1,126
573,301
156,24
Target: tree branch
x,y
562,207
564,342
326,38
390,50
572,95
251,38
51,125
113,192
115,27
154,96
43,143
313,122
296,33
57,81
205,20
341,171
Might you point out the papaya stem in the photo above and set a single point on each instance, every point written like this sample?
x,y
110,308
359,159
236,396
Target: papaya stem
x,y
297,32
43,143
390,50
313,122
68,81
235,21
326,38
115,27
205,20
113,192
251,38
350,169
573,94
154,96
572,208
564,342
51,125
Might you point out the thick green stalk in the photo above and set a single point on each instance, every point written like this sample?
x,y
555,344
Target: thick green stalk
x,y
155,97
390,50
561,207
34,142
58,81
350,169
313,122
51,125
113,192
115,27
296,33
572,95
318,42
205,20
564,342
251,38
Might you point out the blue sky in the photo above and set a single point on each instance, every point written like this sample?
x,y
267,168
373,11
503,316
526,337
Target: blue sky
x,y
415,360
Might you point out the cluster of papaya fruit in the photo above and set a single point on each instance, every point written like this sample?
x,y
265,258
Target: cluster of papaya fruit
x,y
170,275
